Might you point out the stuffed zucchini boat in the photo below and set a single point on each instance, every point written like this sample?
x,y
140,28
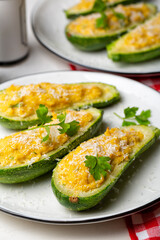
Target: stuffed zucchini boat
x,y
84,177
85,7
141,44
95,31
28,154
19,103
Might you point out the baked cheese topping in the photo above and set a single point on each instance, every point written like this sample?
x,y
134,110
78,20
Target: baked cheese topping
x,y
146,35
86,25
86,5
23,101
115,143
83,5
26,147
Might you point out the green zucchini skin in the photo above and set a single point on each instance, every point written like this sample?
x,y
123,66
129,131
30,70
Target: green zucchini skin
x,y
97,43
24,173
15,124
84,203
11,123
90,44
133,57
71,15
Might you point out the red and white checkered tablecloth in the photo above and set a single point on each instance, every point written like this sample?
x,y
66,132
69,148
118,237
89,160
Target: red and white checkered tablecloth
x,y
144,225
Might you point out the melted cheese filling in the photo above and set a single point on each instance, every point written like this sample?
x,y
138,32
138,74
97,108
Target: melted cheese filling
x,y
23,101
115,143
84,5
86,25
146,35
26,147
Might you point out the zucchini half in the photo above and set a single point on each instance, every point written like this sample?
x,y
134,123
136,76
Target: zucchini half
x,y
21,173
109,95
83,33
87,199
86,7
119,51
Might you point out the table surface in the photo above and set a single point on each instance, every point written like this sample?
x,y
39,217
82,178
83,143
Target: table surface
x,y
41,60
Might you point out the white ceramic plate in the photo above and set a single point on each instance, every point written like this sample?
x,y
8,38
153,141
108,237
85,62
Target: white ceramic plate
x,y
137,188
48,23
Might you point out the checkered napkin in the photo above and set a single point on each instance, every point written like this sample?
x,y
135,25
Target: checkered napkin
x,y
146,224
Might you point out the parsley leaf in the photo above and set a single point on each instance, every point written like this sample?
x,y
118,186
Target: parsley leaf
x,y
102,22
70,128
97,166
143,117
128,123
64,127
130,114
61,117
42,112
73,128
119,15
47,136
99,6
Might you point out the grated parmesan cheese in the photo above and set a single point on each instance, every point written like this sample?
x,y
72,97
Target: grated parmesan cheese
x,y
86,25
26,147
23,101
115,143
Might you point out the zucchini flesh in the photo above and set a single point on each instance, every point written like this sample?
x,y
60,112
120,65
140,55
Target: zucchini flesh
x,y
83,33
24,172
86,199
135,51
109,95
86,7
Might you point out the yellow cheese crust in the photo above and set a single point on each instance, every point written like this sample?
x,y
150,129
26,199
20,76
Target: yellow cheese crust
x,y
146,35
86,25
82,6
23,101
115,143
26,147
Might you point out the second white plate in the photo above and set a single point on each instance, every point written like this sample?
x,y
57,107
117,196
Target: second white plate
x,y
49,22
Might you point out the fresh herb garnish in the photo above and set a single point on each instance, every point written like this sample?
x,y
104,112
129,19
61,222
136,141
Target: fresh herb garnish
x,y
97,166
99,6
102,22
70,128
119,15
132,118
44,139
42,112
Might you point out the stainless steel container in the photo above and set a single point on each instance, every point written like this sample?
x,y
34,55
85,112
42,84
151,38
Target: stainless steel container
x,y
13,39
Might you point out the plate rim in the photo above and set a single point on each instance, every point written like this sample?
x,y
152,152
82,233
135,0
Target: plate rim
x,y
85,221
92,219
33,16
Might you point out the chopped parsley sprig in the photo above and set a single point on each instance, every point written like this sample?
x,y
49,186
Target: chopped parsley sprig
x,y
70,128
119,15
42,114
132,118
97,166
99,6
102,21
